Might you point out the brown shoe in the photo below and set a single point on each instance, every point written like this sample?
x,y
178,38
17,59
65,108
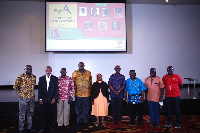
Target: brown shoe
x,y
157,125
97,124
103,123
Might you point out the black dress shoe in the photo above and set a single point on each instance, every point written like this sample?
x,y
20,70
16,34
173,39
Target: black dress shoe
x,y
31,130
67,126
140,124
131,124
59,127
22,131
78,124
43,129
86,124
51,129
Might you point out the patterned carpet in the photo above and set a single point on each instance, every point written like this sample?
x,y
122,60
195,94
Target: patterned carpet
x,y
189,124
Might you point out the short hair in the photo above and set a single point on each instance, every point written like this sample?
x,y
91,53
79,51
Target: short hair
x,y
117,66
153,68
48,67
62,69
27,66
132,70
171,67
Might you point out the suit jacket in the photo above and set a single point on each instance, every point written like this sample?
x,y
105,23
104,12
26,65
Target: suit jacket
x,y
52,92
96,90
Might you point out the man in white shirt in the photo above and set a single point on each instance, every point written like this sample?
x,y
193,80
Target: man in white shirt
x,y
47,95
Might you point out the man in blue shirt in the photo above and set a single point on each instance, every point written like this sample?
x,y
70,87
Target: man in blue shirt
x,y
135,89
116,84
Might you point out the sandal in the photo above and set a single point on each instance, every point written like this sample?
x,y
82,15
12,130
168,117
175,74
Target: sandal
x,y
103,123
97,124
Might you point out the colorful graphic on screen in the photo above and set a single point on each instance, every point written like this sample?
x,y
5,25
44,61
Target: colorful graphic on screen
x,y
74,26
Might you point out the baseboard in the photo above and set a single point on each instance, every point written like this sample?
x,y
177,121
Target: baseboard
x,y
10,87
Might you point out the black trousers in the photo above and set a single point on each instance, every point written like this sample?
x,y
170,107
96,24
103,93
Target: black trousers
x,y
82,109
135,109
47,115
173,104
116,104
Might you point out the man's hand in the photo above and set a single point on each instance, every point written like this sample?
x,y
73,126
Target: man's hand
x,y
53,101
126,99
161,98
142,99
70,99
116,93
40,101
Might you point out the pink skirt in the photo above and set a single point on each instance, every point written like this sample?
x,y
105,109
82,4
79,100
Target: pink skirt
x,y
100,107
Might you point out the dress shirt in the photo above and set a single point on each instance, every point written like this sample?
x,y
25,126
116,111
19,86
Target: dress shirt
x,y
66,88
82,82
24,85
172,85
48,80
117,81
134,87
154,86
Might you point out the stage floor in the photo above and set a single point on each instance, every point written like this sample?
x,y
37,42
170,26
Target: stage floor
x,y
190,93
189,124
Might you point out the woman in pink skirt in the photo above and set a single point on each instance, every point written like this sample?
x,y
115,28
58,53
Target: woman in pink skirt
x,y
99,99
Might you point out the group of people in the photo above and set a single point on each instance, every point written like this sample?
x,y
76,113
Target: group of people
x,y
62,89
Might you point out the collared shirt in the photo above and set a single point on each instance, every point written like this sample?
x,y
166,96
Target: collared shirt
x,y
82,82
117,81
48,80
172,85
66,88
154,86
134,87
24,85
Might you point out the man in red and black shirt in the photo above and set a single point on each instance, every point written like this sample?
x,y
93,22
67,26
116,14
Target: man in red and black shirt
x,y
173,84
65,96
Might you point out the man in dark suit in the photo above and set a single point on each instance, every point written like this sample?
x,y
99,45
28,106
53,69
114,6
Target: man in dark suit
x,y
47,95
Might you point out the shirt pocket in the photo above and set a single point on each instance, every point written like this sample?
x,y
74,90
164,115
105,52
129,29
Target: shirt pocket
x,y
157,85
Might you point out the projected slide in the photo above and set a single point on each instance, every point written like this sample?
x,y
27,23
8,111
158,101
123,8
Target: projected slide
x,y
72,26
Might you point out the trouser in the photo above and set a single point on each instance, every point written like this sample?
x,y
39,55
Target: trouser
x,y
63,112
26,107
135,109
82,109
154,109
173,103
116,104
47,115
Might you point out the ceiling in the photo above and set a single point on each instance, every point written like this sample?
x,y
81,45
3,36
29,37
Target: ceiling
x,y
163,2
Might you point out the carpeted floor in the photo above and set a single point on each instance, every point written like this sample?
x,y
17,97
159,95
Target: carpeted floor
x,y
189,124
